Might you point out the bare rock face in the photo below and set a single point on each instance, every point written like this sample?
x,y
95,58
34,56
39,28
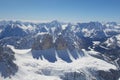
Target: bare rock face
x,y
60,43
47,42
44,46
118,62
7,66
94,75
36,44
43,42
111,75
74,76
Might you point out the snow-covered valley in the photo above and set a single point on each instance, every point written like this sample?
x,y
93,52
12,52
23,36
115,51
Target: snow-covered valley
x,y
33,69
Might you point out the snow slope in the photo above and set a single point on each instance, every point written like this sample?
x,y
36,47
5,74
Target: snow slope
x,y
33,69
18,51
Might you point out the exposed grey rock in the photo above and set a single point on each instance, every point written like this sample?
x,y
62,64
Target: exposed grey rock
x,y
60,43
117,62
7,66
109,75
74,76
46,42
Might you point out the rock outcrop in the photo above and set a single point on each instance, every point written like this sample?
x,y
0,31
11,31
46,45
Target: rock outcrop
x,y
109,75
7,66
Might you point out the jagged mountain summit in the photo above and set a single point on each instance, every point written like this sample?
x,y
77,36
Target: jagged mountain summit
x,y
59,51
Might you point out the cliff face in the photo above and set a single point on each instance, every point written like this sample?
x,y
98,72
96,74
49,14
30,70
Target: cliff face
x,y
7,66
110,75
41,44
47,42
60,43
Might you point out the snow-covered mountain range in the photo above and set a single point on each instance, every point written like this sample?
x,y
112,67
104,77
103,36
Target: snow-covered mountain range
x,y
59,51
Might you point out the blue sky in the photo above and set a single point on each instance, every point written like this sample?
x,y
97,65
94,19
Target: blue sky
x,y
62,10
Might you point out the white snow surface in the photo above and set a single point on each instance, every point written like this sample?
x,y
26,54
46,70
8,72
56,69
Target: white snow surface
x,y
33,69
53,29
28,27
96,42
64,26
42,33
118,40
18,51
87,33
